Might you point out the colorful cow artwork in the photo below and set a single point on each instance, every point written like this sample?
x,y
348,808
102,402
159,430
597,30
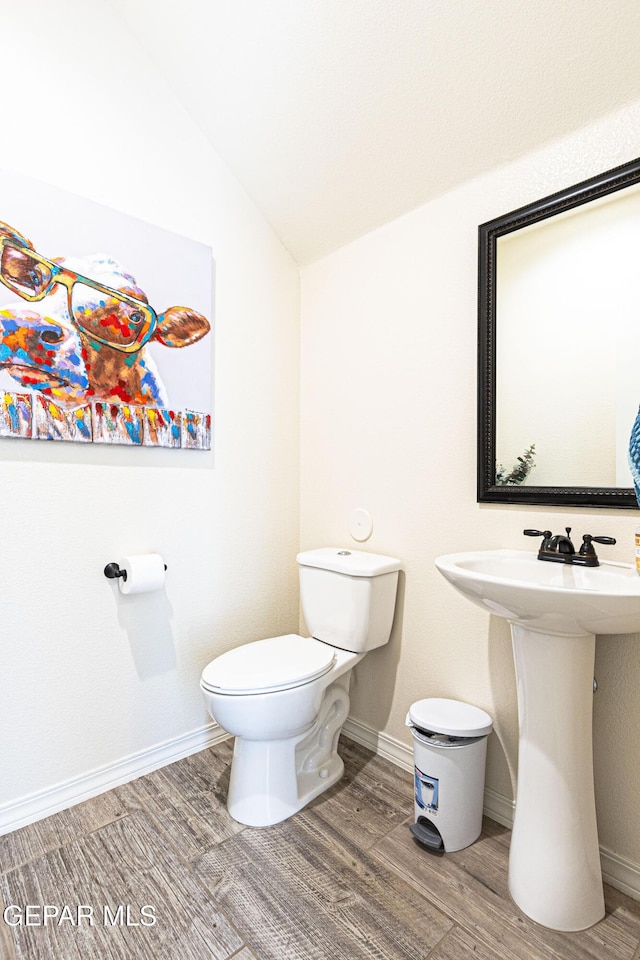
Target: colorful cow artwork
x,y
77,338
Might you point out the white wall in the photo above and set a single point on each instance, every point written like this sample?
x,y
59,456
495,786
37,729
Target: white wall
x,y
389,423
88,677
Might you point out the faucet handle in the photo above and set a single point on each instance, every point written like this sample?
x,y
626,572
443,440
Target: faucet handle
x,y
546,537
587,548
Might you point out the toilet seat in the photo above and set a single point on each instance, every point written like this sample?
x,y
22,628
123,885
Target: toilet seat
x,y
266,666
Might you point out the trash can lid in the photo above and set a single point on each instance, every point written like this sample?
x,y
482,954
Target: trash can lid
x,y
453,717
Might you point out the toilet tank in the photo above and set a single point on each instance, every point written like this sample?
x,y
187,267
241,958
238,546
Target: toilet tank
x,y
348,596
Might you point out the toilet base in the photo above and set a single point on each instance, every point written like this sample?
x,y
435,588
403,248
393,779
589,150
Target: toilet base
x,y
273,779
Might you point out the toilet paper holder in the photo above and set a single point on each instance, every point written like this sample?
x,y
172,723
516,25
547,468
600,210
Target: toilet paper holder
x,y
112,571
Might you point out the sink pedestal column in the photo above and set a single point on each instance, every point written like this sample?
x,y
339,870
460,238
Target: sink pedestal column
x,y
554,863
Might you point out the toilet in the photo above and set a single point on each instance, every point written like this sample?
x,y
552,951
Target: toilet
x,y
286,698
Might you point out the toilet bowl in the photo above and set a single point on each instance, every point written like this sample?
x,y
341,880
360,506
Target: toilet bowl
x,y
286,698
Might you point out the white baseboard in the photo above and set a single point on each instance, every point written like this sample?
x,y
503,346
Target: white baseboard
x,y
498,807
36,806
381,743
617,871
621,873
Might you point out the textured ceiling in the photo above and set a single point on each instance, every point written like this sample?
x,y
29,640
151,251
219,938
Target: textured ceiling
x,y
339,115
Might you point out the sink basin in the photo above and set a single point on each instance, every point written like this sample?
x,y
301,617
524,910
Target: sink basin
x,y
554,611
558,597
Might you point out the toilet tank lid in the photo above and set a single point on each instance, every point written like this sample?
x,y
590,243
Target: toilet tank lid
x,y
354,563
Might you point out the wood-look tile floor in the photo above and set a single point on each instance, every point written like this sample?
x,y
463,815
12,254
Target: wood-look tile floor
x,y
341,880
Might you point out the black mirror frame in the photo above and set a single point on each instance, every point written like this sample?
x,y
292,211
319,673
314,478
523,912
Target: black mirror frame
x,y
488,234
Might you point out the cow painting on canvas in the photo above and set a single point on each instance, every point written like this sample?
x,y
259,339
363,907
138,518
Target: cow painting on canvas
x,y
75,332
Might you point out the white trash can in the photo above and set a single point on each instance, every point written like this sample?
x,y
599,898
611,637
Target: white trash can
x,y
450,752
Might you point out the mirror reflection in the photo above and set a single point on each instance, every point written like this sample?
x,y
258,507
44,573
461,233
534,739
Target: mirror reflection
x,y
568,343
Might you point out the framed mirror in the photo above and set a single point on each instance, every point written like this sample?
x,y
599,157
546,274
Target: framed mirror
x,y
559,346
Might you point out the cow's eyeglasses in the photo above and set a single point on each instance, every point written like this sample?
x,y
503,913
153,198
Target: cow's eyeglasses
x,y
106,315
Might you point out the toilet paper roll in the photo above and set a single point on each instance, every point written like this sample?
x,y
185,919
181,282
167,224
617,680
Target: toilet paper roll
x,y
145,572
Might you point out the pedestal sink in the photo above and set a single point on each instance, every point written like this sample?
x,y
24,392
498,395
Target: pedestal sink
x,y
554,610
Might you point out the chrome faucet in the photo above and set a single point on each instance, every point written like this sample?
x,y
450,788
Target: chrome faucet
x,y
560,549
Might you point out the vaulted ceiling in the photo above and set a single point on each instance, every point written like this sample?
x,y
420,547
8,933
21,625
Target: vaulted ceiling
x,y
339,115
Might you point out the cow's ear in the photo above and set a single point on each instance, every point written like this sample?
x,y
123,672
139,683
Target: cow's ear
x,y
8,231
180,326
